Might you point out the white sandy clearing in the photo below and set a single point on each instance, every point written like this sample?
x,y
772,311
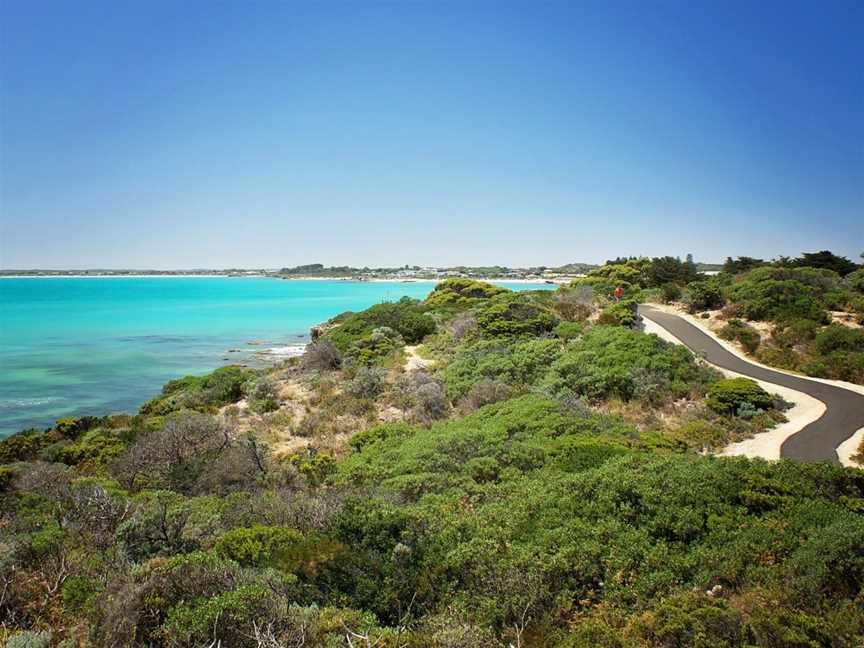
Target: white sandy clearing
x,y
805,409
413,362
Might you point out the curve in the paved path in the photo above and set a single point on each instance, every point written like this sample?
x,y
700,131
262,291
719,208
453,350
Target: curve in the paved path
x,y
844,409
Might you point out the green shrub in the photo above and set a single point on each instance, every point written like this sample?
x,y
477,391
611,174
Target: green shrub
x,y
77,590
407,317
846,365
72,427
203,393
689,620
499,442
779,356
836,337
736,330
855,280
367,383
632,272
568,330
30,639
704,295
228,615
730,395
702,435
622,313
795,332
260,546
264,405
462,292
382,343
779,294
96,447
24,446
670,292
603,362
512,362
515,317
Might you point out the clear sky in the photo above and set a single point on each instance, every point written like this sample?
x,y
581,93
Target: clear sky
x,y
150,134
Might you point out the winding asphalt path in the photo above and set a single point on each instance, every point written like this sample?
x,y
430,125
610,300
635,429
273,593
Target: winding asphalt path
x,y
844,413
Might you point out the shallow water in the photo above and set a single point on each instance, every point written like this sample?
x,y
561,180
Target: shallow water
x,y
74,346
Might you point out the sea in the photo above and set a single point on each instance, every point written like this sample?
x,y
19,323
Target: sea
x,y
73,346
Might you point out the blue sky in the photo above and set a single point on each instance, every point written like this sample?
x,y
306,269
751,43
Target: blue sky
x,y
256,134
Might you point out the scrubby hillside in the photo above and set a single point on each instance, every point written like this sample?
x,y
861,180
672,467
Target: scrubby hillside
x,y
482,468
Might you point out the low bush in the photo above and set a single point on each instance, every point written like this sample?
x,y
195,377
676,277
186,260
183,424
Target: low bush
x,y
704,295
855,281
461,292
432,403
487,392
382,343
738,331
367,383
622,313
701,435
605,361
30,639
836,337
574,304
846,365
202,393
260,546
407,317
568,330
24,446
732,395
517,363
515,317
779,294
670,292
322,356
782,357
795,332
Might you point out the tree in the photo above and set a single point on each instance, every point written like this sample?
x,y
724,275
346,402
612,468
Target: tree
x,y
668,269
827,260
742,264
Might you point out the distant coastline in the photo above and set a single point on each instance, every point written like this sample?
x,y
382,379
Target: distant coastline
x,y
348,278
533,281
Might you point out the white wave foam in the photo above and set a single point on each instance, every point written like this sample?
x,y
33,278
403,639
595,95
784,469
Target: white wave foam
x,y
10,403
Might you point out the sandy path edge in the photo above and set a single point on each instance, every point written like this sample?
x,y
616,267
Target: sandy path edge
x,y
846,449
805,409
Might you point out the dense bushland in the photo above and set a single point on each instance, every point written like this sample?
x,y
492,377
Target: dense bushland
x,y
815,305
544,485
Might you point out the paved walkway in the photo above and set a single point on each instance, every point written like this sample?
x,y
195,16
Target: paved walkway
x,y
844,412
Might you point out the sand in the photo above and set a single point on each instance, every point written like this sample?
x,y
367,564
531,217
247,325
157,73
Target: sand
x,y
766,445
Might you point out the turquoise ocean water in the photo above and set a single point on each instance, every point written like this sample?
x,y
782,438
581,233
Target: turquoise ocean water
x,y
74,346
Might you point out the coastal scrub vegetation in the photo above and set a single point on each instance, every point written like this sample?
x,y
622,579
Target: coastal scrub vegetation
x,y
813,307
481,468
804,314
